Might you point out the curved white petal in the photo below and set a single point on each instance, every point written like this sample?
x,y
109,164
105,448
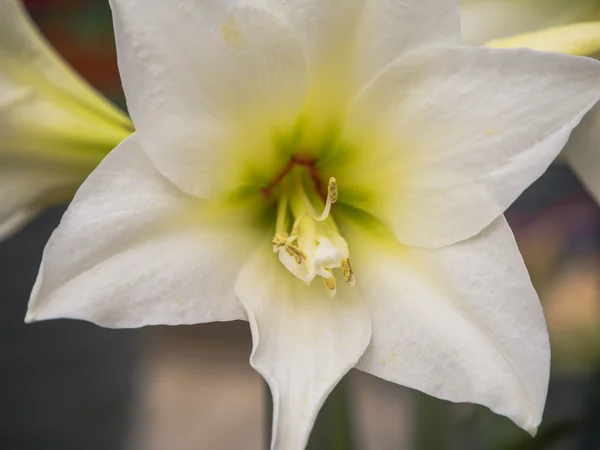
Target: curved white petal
x,y
583,152
462,323
449,138
133,250
484,20
304,342
208,85
348,41
26,188
45,107
391,28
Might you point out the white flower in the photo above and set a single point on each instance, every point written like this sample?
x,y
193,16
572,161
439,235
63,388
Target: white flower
x,y
571,27
358,144
54,128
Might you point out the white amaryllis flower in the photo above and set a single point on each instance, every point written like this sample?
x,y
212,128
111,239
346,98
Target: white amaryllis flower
x,y
571,27
54,128
335,172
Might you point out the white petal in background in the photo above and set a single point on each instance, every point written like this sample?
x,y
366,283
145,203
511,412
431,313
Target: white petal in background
x,y
462,323
197,73
583,152
470,129
304,342
42,98
25,190
54,127
484,20
133,250
579,39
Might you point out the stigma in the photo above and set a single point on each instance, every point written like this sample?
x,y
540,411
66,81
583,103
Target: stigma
x,y
307,240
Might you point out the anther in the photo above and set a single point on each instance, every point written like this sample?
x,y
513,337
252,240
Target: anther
x,y
279,241
347,271
295,253
332,193
332,196
330,283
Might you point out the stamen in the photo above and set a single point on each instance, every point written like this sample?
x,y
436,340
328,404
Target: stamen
x,y
313,247
298,255
330,283
347,272
279,241
332,196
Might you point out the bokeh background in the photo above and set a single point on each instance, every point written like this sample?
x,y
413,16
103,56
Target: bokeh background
x,y
67,385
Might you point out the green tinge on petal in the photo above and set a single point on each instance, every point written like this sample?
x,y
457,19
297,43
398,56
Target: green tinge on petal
x,y
580,39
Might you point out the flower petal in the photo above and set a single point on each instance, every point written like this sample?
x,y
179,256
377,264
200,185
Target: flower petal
x,y
449,138
358,38
484,20
25,189
304,342
583,152
45,107
462,323
392,28
132,250
208,84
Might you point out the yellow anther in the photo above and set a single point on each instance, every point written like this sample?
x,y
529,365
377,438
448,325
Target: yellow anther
x,y
347,271
330,283
295,253
279,241
332,192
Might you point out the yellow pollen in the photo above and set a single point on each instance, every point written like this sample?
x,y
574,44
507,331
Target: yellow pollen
x,y
347,271
330,283
295,253
332,192
279,241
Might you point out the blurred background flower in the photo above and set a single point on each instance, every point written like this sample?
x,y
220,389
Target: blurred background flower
x,y
571,27
55,128
68,385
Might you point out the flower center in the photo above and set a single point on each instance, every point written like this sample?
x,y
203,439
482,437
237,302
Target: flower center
x,y
307,240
